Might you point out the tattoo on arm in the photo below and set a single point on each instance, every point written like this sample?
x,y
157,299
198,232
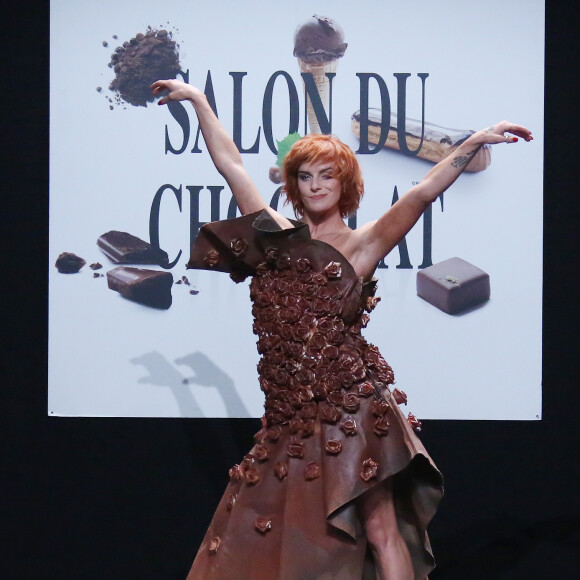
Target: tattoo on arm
x,y
462,160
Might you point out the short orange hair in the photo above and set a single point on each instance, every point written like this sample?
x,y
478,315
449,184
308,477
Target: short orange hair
x,y
316,148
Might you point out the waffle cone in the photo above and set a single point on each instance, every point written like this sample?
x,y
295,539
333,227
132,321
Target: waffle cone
x,y
318,70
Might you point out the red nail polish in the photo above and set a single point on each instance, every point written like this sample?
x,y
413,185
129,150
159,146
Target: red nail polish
x,y
160,103
515,139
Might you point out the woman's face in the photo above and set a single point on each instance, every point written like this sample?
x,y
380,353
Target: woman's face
x,y
319,190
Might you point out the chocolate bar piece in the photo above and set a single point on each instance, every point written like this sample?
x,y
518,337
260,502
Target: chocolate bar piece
x,y
124,248
148,287
453,285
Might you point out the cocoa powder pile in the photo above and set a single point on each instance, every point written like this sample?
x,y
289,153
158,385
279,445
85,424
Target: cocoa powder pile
x,y
140,62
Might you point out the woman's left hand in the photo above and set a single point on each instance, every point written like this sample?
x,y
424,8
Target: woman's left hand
x,y
497,134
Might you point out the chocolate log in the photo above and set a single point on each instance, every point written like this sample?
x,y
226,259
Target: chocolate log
x,y
148,287
438,142
124,248
453,285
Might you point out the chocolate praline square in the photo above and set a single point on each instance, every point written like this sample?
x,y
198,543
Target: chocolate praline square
x,y
453,285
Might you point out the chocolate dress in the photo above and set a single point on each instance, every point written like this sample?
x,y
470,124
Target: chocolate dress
x,y
332,428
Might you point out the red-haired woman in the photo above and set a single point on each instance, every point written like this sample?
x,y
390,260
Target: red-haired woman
x,y
337,473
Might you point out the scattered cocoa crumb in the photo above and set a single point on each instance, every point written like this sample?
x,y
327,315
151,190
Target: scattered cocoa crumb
x,y
194,292
96,266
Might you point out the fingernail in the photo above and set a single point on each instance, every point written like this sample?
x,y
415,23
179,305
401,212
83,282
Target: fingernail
x,y
514,140
160,103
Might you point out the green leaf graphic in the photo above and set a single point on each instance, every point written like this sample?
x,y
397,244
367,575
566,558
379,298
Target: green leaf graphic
x,y
284,147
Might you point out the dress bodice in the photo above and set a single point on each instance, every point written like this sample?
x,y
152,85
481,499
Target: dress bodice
x,y
309,308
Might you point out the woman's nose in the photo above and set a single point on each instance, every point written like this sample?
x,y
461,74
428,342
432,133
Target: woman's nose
x,y
315,184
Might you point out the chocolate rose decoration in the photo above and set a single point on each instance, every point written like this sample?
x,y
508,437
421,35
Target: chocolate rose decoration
x,y
329,413
333,270
211,259
347,378
305,377
300,332
263,525
330,351
333,447
237,276
252,476
274,433
272,255
239,247
320,392
232,501
350,402
308,429
318,279
309,411
316,342
381,427
371,303
335,397
283,262
214,545
306,395
261,435
311,471
262,269
303,265
365,389
335,337
296,424
414,422
236,473
369,469
400,397
295,450
261,452
348,427
380,407
281,470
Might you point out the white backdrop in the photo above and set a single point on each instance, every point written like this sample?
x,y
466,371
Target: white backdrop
x,y
112,357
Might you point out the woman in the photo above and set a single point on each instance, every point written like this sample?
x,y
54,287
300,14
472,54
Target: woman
x,y
337,473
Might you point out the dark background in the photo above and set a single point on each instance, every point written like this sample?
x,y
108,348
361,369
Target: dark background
x,y
131,498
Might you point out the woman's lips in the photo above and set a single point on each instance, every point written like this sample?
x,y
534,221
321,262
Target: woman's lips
x,y
319,196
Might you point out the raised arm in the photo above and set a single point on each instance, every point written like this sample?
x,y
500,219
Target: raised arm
x,y
376,239
223,151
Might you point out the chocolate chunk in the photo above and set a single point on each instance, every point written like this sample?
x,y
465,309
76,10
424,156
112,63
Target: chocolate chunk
x,y
148,287
68,263
124,248
96,266
453,285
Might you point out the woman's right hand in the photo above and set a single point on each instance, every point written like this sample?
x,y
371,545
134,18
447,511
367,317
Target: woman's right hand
x,y
178,91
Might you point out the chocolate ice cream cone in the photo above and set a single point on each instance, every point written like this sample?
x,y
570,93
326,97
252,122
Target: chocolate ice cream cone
x,y
318,70
318,44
